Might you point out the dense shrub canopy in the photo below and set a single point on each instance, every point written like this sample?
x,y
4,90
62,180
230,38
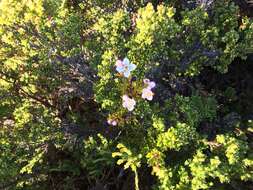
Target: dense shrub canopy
x,y
125,95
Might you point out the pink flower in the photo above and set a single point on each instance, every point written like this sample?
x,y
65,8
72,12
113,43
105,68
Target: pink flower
x,y
119,63
112,122
128,103
125,67
109,121
151,84
147,94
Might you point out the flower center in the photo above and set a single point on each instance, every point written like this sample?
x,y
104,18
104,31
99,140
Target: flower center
x,y
150,93
125,68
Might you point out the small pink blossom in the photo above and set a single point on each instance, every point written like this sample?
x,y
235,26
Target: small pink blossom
x,y
128,103
147,94
151,84
112,122
125,67
109,121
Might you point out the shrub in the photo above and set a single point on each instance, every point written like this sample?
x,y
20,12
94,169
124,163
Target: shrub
x,y
90,87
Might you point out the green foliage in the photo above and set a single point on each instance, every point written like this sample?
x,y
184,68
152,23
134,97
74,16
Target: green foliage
x,y
96,155
176,137
197,108
133,161
60,89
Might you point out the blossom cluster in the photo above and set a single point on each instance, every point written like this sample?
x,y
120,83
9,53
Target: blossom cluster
x,y
112,122
125,67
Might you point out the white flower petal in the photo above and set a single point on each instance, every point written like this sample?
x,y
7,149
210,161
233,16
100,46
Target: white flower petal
x,y
130,108
132,67
126,73
131,105
126,61
150,98
147,94
146,81
114,123
125,97
120,69
151,84
109,121
124,105
128,103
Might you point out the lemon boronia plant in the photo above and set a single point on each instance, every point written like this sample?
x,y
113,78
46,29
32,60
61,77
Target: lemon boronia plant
x,y
154,70
177,129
